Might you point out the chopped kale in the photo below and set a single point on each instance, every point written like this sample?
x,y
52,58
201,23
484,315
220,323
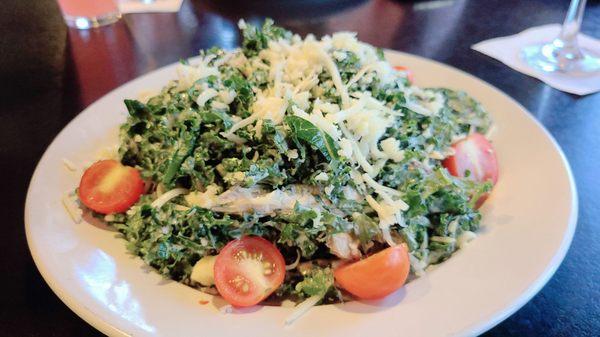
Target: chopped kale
x,y
203,132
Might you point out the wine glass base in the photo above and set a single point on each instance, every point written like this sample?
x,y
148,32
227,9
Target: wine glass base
x,y
551,58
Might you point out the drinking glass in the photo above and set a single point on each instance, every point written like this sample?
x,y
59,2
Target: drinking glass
x,y
85,14
563,54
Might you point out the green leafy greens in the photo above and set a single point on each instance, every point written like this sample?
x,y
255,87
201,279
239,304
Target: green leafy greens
x,y
228,131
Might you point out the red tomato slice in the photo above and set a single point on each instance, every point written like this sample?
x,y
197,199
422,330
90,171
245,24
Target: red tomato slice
x,y
409,73
248,270
108,187
476,155
376,276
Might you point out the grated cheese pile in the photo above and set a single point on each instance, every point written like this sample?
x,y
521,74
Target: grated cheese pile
x,y
357,125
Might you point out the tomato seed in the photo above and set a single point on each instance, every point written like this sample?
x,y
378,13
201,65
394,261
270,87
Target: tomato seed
x,y
242,254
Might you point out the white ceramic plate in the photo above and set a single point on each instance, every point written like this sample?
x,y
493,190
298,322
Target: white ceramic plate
x,y
528,224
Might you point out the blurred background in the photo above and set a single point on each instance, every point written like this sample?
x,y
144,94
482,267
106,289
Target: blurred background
x,y
49,73
35,38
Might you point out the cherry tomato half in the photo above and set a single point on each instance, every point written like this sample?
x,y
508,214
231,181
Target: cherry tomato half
x,y
248,270
376,276
108,187
476,155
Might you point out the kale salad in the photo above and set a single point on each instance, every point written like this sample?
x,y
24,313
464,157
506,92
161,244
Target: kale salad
x,y
296,169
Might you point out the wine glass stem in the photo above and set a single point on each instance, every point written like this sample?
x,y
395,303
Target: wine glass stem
x,y
563,53
572,25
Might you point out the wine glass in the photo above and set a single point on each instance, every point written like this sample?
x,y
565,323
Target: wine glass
x,y
85,14
563,54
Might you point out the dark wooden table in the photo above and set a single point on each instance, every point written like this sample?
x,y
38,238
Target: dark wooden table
x,y
49,73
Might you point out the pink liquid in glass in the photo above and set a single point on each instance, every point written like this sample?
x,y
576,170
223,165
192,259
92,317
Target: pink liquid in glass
x,y
88,8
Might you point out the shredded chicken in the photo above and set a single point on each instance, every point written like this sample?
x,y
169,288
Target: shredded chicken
x,y
344,246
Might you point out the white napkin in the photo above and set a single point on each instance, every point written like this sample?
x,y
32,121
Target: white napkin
x,y
507,49
149,6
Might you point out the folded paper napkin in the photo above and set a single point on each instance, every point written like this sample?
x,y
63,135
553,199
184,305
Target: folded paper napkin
x,y
149,6
507,50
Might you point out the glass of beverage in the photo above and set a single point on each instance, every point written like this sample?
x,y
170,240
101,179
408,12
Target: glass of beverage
x,y
85,14
563,54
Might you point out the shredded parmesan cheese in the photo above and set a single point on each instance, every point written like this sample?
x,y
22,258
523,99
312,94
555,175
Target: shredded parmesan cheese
x,y
69,165
163,199
465,238
303,308
69,201
205,96
443,239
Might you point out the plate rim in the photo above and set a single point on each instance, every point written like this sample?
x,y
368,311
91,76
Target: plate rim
x,y
474,329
